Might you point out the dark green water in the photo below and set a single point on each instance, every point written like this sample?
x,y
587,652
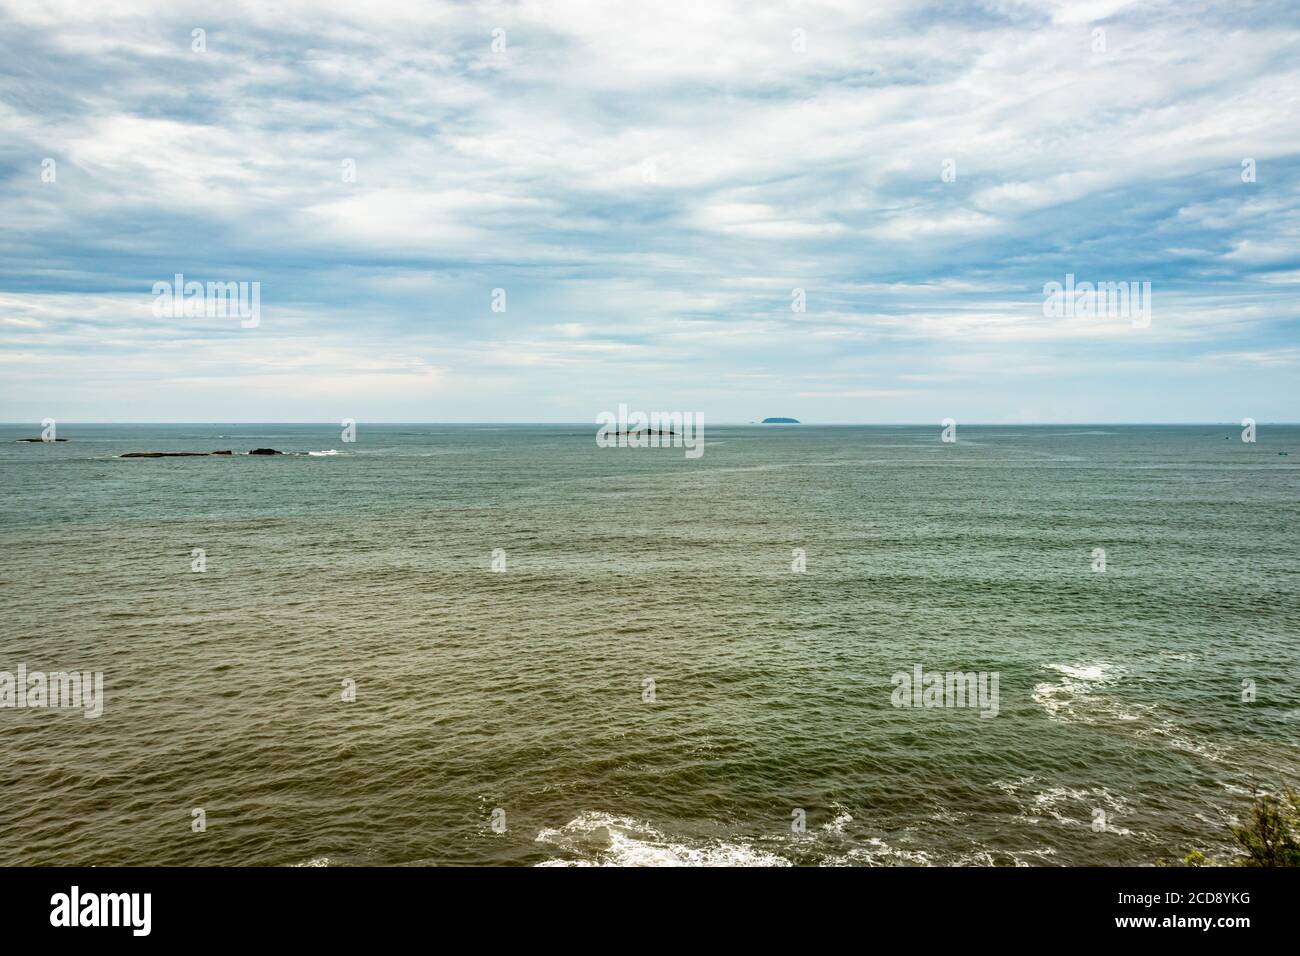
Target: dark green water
x,y
1120,691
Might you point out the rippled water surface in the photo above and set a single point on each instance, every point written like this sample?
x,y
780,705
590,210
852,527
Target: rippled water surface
x,y
1120,692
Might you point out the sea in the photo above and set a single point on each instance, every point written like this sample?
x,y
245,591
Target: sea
x,y
505,645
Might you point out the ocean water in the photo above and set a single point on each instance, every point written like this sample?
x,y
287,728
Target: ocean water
x,y
1121,736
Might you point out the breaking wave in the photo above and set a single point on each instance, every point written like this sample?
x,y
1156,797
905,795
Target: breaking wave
x,y
600,839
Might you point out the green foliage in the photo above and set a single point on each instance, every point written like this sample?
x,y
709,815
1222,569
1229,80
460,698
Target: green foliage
x,y
1271,834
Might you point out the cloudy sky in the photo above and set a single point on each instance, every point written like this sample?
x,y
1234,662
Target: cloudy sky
x,y
649,183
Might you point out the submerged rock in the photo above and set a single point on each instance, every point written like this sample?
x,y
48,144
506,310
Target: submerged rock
x,y
173,454
165,454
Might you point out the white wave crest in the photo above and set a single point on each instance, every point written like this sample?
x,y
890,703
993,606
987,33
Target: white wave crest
x,y
842,819
600,839
1064,699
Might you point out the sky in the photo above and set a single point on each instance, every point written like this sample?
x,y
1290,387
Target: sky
x,y
653,187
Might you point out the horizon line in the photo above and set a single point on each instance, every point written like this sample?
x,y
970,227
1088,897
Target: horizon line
x,y
913,424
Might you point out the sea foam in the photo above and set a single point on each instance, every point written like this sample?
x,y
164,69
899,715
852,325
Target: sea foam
x,y
601,839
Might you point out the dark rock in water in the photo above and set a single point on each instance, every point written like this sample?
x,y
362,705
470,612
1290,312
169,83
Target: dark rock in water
x,y
39,441
164,454
191,454
780,421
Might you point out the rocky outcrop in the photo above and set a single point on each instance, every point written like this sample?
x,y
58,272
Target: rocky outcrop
x,y
177,454
265,451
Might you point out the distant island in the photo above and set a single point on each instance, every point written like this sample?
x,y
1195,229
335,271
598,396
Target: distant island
x,y
780,421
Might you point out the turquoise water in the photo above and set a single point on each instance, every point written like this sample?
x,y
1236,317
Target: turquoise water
x,y
524,691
